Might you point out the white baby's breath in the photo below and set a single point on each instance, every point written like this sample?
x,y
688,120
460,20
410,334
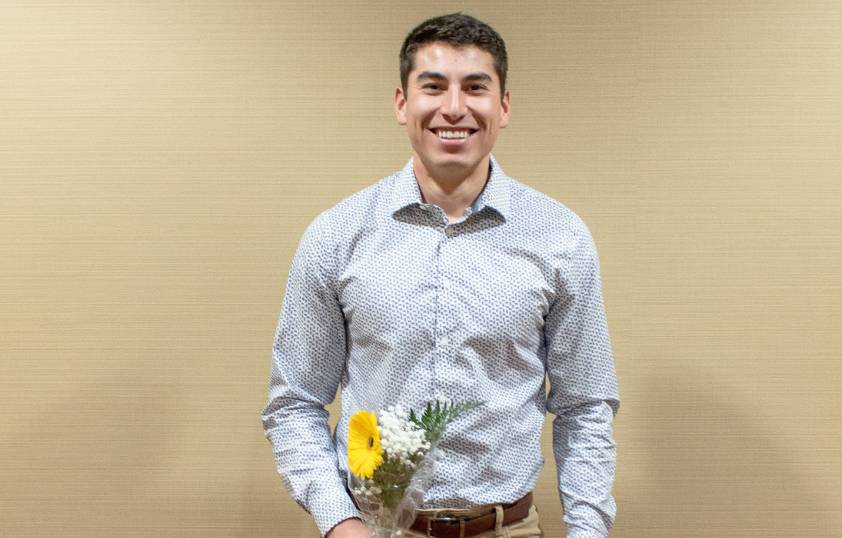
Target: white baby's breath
x,y
400,437
367,488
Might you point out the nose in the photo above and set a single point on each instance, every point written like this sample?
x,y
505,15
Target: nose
x,y
453,106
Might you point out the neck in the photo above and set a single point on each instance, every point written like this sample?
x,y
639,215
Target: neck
x,y
452,190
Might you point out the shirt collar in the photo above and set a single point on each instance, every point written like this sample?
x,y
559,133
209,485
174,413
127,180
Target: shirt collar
x,y
495,194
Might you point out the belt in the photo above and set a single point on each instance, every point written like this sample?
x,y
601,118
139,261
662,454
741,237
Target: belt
x,y
463,527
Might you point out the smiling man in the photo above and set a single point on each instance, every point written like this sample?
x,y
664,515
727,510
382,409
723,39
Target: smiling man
x,y
449,279
453,103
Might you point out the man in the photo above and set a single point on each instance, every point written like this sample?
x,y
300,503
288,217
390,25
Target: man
x,y
449,279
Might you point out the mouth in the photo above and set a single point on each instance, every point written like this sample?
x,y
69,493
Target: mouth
x,y
450,135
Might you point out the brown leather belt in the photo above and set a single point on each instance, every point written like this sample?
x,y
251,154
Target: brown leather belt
x,y
465,527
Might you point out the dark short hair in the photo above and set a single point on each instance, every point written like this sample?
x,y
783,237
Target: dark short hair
x,y
457,30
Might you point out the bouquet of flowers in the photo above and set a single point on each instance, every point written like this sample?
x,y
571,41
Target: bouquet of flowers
x,y
391,456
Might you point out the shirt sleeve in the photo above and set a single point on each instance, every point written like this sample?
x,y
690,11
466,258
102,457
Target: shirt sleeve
x,y
308,358
583,393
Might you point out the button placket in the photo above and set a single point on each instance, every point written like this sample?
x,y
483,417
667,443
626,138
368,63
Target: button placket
x,y
437,328
441,326
443,337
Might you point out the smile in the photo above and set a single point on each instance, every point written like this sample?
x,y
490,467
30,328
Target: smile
x,y
453,134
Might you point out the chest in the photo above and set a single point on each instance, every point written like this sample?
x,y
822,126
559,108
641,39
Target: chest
x,y
416,283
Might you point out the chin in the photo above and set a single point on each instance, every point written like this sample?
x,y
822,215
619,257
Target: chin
x,y
453,162
460,159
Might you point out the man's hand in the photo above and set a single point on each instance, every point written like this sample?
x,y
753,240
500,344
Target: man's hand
x,y
350,528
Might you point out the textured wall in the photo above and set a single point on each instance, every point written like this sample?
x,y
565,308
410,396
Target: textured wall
x,y
159,161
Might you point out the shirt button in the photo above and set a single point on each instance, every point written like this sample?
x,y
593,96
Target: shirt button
x,y
449,231
443,341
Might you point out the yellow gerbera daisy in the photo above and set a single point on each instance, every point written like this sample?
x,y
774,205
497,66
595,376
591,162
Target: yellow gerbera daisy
x,y
364,454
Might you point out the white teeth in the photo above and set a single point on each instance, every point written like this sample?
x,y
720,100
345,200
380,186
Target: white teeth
x,y
453,134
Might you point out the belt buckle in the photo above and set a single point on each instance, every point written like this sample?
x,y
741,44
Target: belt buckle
x,y
449,517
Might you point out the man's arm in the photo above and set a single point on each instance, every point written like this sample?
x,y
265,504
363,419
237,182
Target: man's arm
x,y
583,394
308,358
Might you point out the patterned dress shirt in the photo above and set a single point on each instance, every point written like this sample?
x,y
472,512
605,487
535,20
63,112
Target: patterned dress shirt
x,y
399,305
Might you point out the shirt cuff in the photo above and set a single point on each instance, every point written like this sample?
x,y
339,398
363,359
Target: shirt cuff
x,y
329,508
576,533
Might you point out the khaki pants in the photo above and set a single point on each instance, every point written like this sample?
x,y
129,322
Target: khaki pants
x,y
529,527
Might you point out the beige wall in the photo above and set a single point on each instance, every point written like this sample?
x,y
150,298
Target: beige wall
x,y
159,161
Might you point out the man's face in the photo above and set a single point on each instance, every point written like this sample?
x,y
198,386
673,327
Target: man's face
x,y
451,91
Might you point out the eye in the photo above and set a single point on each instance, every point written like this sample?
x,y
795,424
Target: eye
x,y
476,87
430,86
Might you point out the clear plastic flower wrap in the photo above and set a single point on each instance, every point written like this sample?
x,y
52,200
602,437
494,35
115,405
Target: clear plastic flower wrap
x,y
389,504
391,459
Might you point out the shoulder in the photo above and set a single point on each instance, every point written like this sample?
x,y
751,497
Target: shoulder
x,y
546,216
355,208
337,225
556,234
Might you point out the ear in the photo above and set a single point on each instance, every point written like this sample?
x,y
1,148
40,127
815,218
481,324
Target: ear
x,y
505,106
400,106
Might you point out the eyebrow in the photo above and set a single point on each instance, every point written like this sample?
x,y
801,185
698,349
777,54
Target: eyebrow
x,y
439,76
